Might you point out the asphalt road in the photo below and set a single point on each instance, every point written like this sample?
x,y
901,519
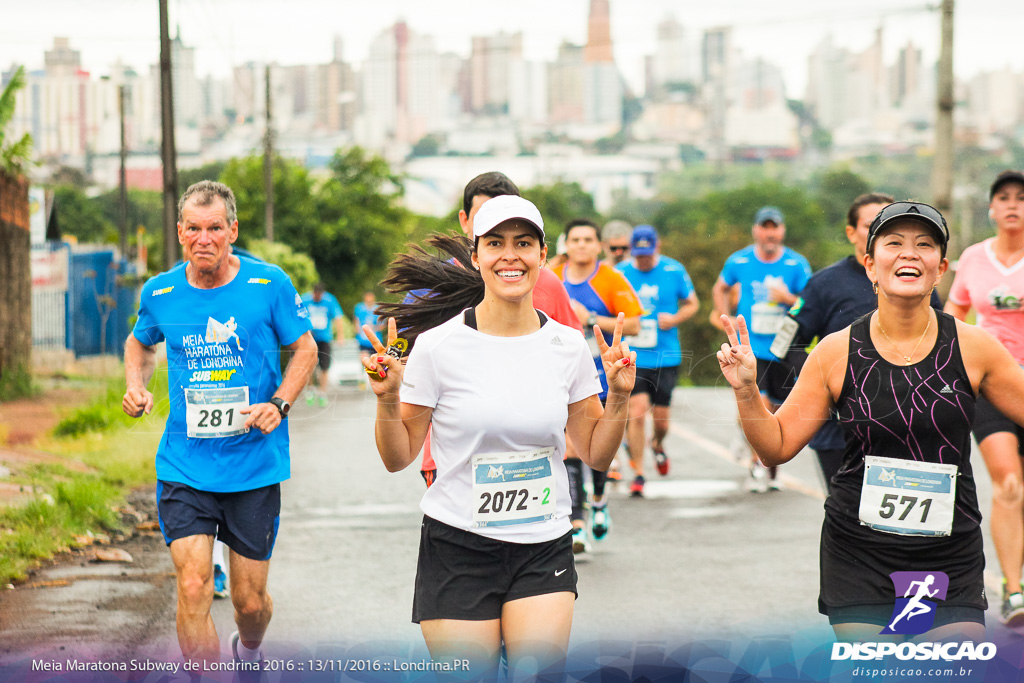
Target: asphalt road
x,y
698,557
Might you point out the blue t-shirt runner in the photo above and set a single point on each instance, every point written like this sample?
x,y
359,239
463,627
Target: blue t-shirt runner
x,y
756,278
223,354
365,315
660,290
321,315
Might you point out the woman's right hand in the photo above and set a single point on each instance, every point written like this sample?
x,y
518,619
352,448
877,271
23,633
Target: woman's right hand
x,y
736,358
384,363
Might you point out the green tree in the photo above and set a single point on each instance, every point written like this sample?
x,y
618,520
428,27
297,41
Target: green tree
x,y
359,223
15,155
559,203
190,176
82,216
837,189
294,216
703,232
299,267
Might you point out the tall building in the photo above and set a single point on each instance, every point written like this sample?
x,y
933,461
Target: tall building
x,y
717,67
402,97
188,97
492,61
62,60
905,80
670,63
565,85
599,33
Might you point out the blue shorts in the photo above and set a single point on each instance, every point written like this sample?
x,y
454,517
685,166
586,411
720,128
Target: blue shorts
x,y
245,521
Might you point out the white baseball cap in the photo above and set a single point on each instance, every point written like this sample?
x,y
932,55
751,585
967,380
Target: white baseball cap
x,y
507,207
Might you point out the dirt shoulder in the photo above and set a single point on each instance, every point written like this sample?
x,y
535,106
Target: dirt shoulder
x,y
107,601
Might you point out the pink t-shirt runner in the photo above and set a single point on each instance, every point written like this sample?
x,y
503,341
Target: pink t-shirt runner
x,y
995,291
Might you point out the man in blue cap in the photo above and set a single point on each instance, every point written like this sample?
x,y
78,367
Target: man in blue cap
x,y
771,277
669,299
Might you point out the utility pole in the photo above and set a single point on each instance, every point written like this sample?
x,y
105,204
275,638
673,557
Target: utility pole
x,y
942,168
268,164
123,222
168,152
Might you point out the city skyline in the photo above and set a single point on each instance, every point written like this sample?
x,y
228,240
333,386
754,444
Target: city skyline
x,y
270,31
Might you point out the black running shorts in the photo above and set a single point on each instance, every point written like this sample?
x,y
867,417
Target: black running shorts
x,y
323,355
246,521
462,575
657,383
988,421
775,379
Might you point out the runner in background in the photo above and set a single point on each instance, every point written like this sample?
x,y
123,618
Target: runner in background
x,y
599,293
990,279
669,299
770,276
615,244
325,315
364,313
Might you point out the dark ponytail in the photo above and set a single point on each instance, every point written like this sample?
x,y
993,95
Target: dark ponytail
x,y
437,286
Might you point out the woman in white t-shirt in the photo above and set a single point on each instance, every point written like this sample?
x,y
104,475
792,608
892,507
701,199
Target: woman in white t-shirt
x,y
990,279
500,385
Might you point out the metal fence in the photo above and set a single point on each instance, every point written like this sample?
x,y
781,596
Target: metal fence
x,y
83,299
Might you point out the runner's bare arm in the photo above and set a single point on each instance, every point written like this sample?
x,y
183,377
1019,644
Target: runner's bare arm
x,y
400,428
299,369
778,438
265,416
139,363
1002,381
595,432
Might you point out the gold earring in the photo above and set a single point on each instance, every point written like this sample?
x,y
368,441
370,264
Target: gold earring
x,y
874,287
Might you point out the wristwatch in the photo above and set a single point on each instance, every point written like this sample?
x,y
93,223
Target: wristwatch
x,y
282,405
592,320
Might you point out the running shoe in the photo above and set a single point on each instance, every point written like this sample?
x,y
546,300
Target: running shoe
x,y
323,401
245,674
660,459
636,489
1012,612
310,399
580,544
220,582
613,473
774,485
756,479
600,523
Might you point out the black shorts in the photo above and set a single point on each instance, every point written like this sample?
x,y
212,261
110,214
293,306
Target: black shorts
x,y
657,383
881,615
246,521
775,379
988,421
323,355
462,575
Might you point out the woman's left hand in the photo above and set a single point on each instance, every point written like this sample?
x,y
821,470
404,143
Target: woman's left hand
x,y
619,361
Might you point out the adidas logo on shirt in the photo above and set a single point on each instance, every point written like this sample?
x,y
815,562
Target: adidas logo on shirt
x,y
555,341
946,390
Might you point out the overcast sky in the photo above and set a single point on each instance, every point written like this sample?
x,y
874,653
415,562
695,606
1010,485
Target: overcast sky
x,y
226,32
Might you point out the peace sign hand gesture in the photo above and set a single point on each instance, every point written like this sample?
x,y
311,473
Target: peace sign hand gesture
x,y
619,362
736,357
383,363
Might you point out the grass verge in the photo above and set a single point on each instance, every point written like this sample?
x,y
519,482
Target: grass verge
x,y
120,453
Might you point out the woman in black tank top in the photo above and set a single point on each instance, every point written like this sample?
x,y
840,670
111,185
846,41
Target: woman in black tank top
x,y
901,546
